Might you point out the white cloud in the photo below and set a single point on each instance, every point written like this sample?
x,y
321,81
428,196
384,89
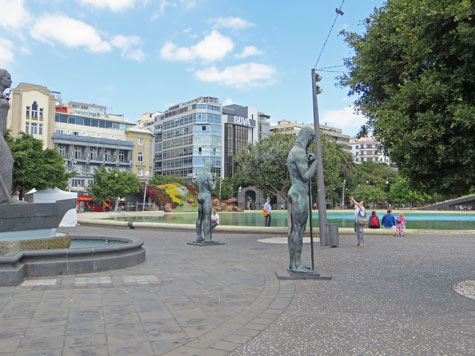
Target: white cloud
x,y
161,9
189,4
249,51
234,23
113,5
228,101
127,45
343,118
70,32
213,47
242,75
13,14
6,52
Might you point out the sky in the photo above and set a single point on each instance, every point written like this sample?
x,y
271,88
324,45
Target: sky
x,y
138,56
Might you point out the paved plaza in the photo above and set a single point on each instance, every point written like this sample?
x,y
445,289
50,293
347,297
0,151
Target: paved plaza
x,y
393,297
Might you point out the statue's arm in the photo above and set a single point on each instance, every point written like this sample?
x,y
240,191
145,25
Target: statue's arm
x,y
211,183
305,171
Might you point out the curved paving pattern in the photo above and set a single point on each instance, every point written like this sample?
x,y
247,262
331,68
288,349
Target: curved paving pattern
x,y
183,300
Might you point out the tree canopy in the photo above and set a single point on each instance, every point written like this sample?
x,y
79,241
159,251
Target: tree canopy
x,y
414,73
34,167
113,184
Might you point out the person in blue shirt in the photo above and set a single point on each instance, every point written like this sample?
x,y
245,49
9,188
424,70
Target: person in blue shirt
x,y
388,220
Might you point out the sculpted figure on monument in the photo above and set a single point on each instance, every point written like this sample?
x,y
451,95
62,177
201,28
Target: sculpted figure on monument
x,y
302,168
6,159
206,184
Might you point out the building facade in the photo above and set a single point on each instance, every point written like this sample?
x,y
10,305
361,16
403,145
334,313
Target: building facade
x,y
241,126
366,149
186,136
84,134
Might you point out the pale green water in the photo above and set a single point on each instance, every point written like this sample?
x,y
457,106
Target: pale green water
x,y
436,221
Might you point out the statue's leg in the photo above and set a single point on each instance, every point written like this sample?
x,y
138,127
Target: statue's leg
x,y
207,219
199,221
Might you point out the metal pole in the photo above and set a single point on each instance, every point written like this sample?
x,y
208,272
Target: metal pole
x,y
343,195
322,208
144,195
311,227
220,181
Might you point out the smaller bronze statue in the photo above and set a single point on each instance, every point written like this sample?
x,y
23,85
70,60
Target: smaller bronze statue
x,y
6,159
206,184
302,168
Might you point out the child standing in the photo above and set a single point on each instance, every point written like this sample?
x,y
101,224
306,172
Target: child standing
x,y
400,225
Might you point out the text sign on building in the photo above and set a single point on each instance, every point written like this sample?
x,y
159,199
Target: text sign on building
x,y
243,121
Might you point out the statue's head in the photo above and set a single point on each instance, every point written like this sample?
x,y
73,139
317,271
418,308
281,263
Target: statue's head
x,y
5,80
306,136
209,165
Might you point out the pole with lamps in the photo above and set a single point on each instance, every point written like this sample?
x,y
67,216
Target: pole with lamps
x,y
145,191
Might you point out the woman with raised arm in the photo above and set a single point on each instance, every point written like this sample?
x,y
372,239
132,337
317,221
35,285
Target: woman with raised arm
x,y
360,215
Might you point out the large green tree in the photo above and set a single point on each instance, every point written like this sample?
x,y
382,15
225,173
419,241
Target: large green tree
x,y
401,192
113,184
264,165
34,167
414,74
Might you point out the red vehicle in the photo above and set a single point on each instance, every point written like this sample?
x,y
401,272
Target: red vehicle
x,y
86,202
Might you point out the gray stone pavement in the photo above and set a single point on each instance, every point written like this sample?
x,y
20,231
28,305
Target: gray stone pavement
x,y
393,297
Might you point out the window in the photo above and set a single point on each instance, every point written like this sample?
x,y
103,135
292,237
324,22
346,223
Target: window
x,y
140,157
93,154
140,141
34,110
27,111
40,129
60,131
41,114
34,129
62,150
121,156
140,172
90,181
27,128
75,133
77,152
107,155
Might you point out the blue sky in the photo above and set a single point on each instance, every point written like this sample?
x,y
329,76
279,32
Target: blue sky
x,y
136,56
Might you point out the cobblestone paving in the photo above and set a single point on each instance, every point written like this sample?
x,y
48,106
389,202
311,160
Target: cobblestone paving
x,y
393,297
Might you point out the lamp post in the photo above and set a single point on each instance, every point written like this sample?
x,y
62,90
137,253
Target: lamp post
x,y
343,194
145,191
322,207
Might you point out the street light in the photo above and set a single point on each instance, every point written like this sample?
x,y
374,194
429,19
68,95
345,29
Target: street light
x,y
145,191
322,207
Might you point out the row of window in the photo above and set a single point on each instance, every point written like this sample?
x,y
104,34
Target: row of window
x,y
207,129
180,162
33,128
194,118
34,111
184,141
187,130
200,161
180,152
91,122
206,151
208,107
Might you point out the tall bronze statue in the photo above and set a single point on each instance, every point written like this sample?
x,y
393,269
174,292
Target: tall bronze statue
x,y
206,184
302,168
6,159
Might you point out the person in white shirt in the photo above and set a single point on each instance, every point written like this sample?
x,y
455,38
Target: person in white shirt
x,y
359,229
214,219
268,209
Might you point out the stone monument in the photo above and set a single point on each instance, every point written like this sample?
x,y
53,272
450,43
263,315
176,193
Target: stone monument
x,y
302,167
6,159
25,226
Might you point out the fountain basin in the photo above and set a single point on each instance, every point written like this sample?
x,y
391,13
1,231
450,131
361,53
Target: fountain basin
x,y
16,266
36,240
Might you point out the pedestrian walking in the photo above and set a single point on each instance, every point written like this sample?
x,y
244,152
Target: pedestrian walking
x,y
267,211
360,221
